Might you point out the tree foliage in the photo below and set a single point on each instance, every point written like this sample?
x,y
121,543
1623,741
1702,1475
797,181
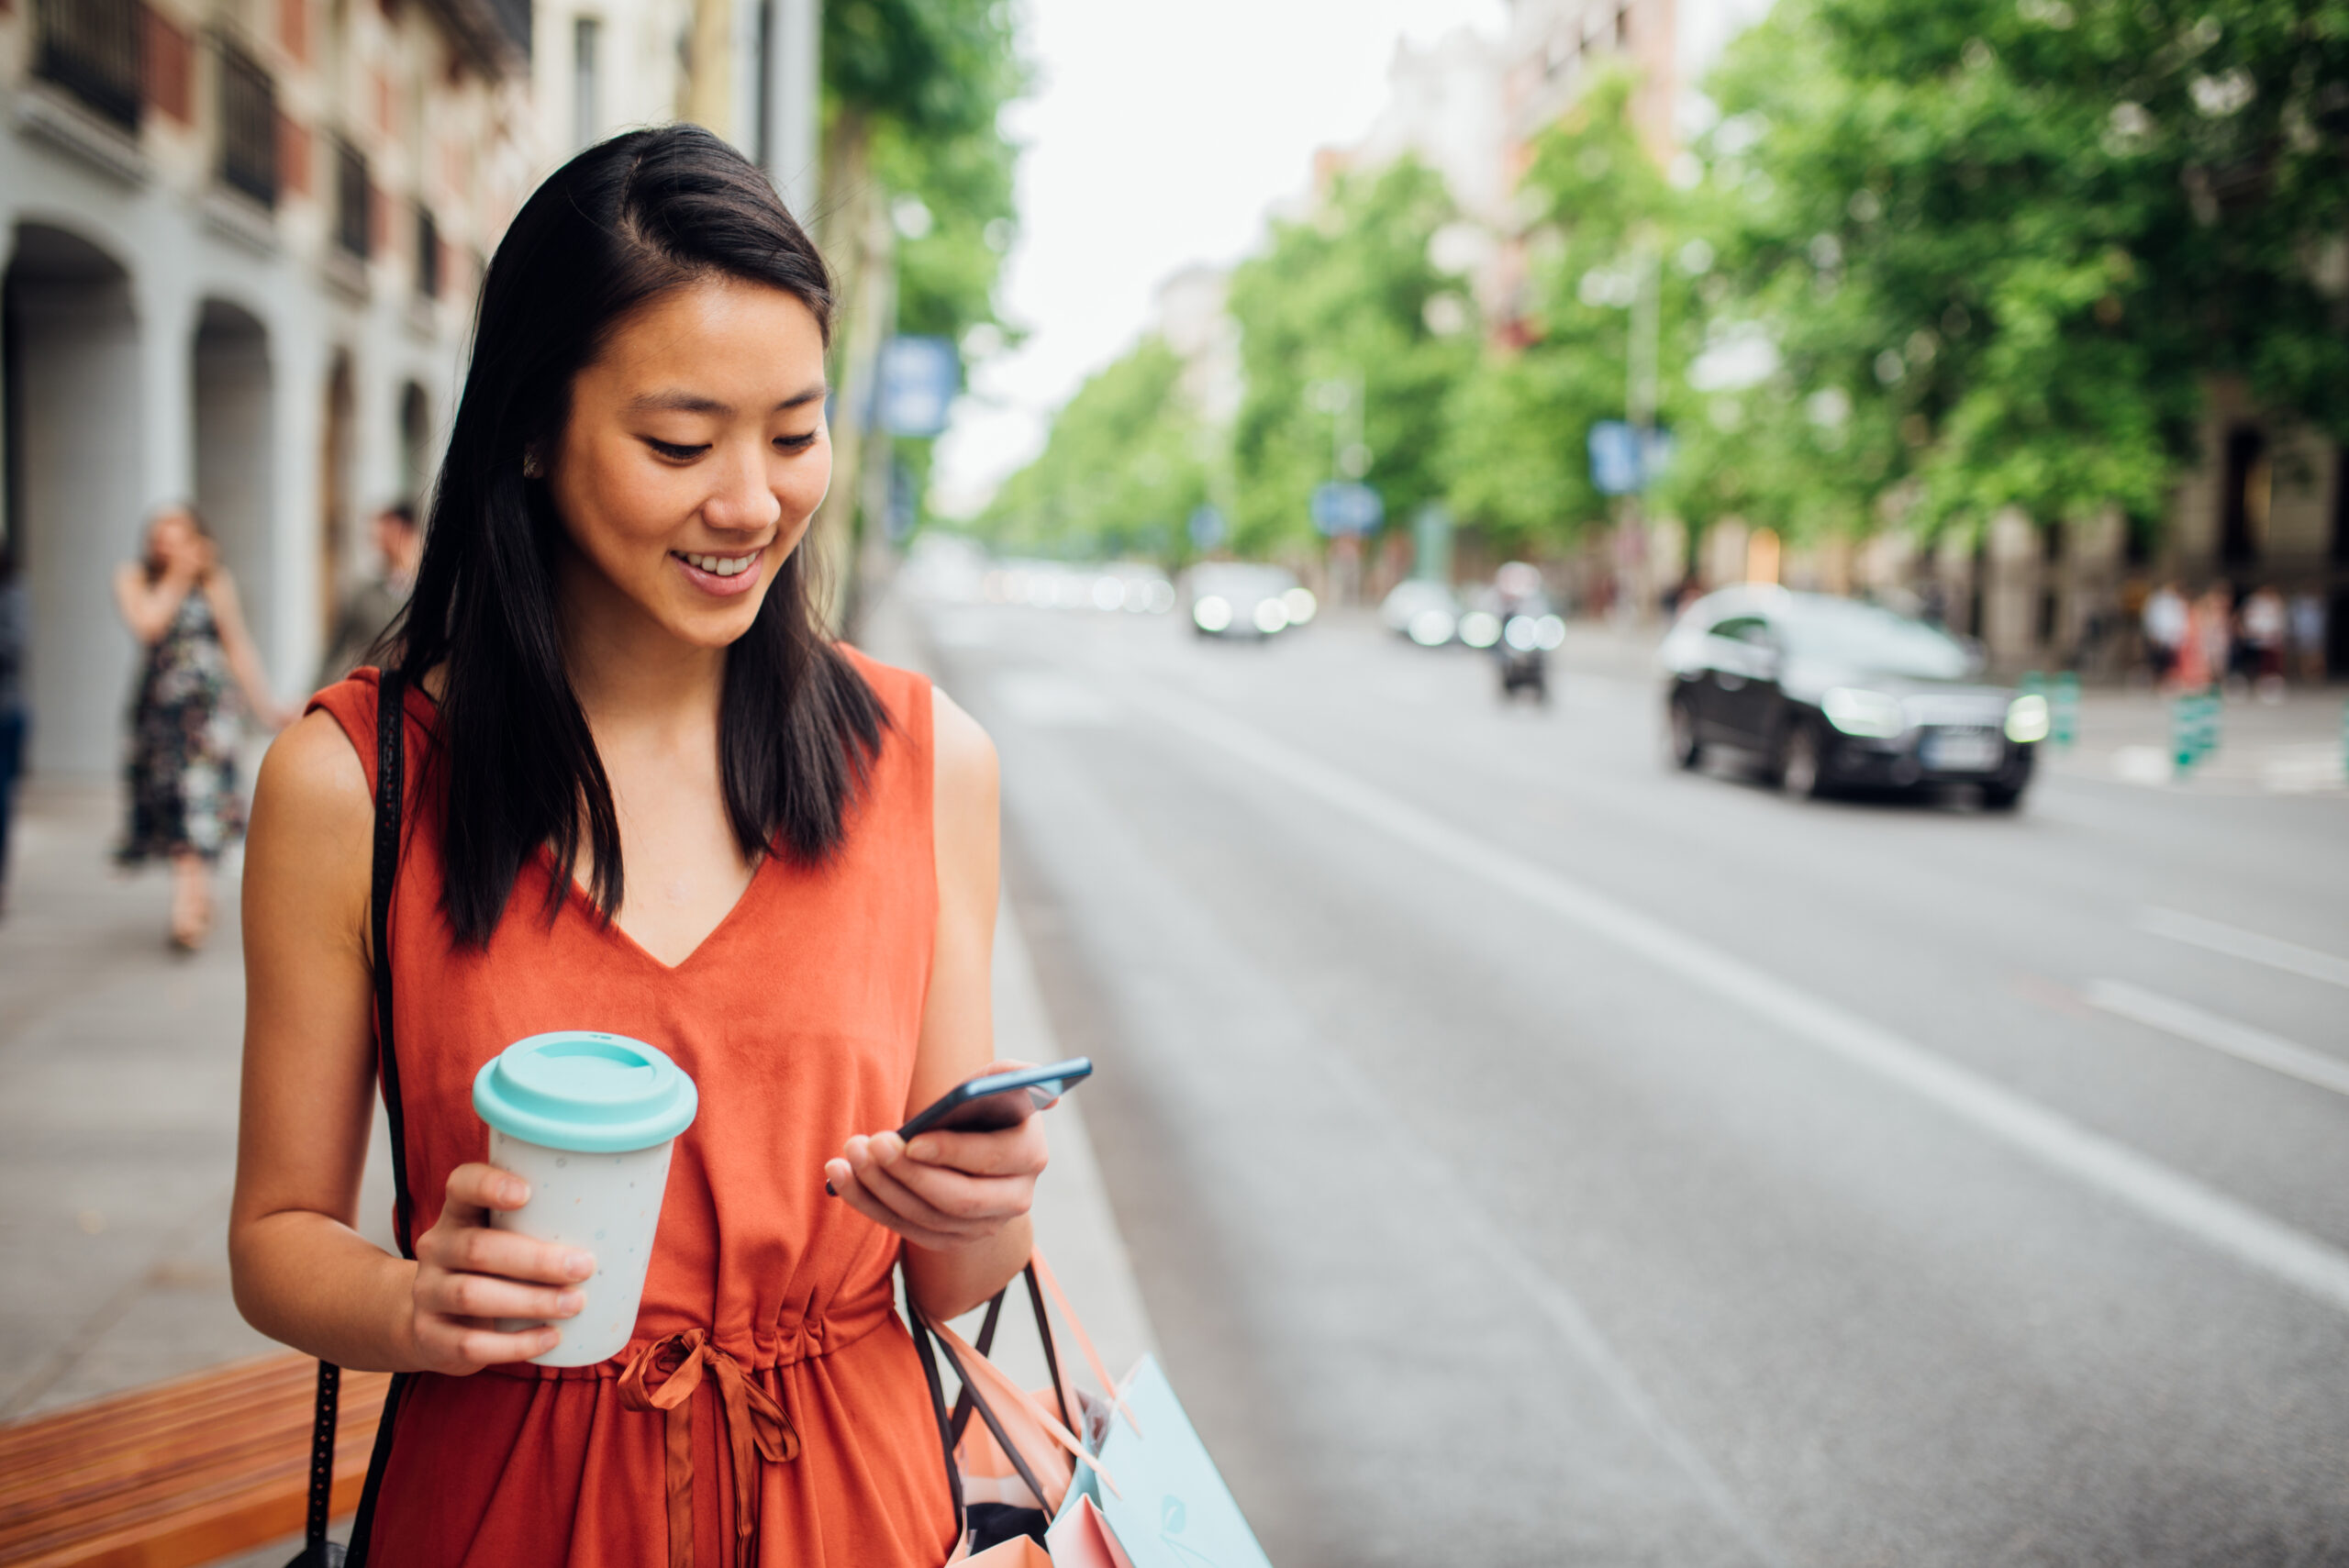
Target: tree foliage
x,y
1127,464
1343,297
2003,245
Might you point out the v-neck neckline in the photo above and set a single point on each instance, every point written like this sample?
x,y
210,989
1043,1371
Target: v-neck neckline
x,y
576,893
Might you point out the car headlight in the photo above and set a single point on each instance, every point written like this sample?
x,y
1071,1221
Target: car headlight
x,y
1480,629
1270,616
1212,613
2026,718
1432,628
1854,710
1300,604
1550,633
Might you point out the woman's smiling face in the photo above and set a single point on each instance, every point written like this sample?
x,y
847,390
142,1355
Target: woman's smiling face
x,y
695,454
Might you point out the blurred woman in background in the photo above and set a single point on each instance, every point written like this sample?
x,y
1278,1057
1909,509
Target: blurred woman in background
x,y
181,605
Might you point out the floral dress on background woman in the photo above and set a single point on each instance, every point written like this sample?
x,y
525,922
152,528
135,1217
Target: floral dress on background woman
x,y
183,733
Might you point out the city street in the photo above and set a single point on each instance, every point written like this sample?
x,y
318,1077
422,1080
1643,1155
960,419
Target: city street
x,y
1532,1155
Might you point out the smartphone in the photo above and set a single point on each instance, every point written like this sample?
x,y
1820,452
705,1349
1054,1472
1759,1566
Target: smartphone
x,y
997,1100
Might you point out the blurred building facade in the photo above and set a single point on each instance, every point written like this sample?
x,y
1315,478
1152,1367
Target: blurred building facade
x,y
243,242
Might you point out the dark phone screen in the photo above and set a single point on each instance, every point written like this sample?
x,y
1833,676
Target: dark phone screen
x,y
998,1100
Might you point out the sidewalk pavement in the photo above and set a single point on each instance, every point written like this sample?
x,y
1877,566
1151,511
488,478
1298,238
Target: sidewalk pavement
x,y
119,1068
2297,745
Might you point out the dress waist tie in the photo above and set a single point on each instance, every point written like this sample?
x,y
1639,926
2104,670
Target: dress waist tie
x,y
662,1376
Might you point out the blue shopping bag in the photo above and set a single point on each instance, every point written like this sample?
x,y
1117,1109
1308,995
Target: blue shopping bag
x,y
1159,1490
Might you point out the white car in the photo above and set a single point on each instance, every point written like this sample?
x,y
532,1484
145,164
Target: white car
x,y
1426,611
1237,598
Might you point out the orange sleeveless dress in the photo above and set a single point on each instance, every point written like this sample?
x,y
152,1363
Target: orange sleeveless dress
x,y
770,1408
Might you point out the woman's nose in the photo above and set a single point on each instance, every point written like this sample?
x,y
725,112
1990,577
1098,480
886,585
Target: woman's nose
x,y
743,500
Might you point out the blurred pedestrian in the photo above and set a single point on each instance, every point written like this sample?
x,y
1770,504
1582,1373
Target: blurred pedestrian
x,y
2210,638
371,607
2164,626
2307,633
181,605
2264,627
16,631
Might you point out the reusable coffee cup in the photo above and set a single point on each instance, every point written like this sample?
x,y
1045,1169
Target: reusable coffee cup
x,y
588,1120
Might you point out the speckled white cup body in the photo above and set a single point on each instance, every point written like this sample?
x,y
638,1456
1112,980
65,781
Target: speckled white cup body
x,y
608,1205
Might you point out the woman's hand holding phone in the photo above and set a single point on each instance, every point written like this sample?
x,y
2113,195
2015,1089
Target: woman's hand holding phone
x,y
468,1275
943,1190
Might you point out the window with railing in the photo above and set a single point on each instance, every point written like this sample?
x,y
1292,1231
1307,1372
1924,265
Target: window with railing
x,y
247,126
428,253
351,200
94,49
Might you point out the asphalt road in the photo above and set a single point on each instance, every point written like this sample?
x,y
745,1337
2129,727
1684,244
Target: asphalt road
x,y
1530,1156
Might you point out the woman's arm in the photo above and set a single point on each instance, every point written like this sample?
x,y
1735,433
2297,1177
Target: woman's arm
x,y
301,1273
148,607
244,660
960,1199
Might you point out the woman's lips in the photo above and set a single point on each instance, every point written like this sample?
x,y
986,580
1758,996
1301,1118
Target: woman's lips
x,y
714,585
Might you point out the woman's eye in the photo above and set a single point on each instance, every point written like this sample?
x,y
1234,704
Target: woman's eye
x,y
675,452
795,443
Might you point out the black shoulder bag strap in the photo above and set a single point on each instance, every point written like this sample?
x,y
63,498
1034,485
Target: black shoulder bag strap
x,y
391,758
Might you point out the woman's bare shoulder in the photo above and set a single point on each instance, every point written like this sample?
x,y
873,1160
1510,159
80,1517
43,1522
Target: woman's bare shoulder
x,y
312,786
965,756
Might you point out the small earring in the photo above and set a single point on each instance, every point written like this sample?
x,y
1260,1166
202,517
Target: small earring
x,y
532,468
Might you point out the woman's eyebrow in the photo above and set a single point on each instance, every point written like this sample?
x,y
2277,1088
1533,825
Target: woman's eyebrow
x,y
677,400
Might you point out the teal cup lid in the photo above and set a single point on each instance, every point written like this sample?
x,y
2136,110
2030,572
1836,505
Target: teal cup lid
x,y
599,1094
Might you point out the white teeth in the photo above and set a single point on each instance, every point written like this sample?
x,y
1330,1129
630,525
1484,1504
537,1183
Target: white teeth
x,y
720,565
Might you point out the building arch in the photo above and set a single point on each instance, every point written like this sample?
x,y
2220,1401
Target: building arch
x,y
234,452
416,445
74,427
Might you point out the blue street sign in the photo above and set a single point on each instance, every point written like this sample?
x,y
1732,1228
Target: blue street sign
x,y
1621,463
1206,528
1346,508
918,379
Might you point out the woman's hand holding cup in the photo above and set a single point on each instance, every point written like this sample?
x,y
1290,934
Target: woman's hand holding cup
x,y
468,1275
943,1190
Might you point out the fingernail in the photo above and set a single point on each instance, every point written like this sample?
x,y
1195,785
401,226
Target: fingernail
x,y
512,1190
579,1265
569,1303
886,1148
923,1149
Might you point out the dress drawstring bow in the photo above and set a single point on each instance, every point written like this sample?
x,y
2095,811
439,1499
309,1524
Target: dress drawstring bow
x,y
756,1428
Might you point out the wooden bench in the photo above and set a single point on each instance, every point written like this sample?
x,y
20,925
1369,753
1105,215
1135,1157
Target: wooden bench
x,y
180,1473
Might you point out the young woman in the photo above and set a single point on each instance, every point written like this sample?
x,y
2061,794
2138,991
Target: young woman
x,y
179,602
647,796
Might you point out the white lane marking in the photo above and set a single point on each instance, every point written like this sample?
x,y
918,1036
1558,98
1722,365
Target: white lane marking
x,y
2236,942
2152,1188
1556,1302
2241,1041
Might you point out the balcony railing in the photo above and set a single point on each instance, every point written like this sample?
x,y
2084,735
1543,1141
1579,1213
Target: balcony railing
x,y
94,49
352,221
247,126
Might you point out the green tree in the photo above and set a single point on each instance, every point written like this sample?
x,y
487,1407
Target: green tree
x,y
1343,297
2008,241
1603,227
1126,463
917,203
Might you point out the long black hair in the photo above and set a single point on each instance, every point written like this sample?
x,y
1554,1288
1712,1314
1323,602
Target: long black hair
x,y
516,765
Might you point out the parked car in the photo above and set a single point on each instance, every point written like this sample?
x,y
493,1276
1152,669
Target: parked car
x,y
1424,610
1240,598
1832,693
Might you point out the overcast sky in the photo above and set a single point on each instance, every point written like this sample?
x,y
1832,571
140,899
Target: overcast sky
x,y
1157,136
